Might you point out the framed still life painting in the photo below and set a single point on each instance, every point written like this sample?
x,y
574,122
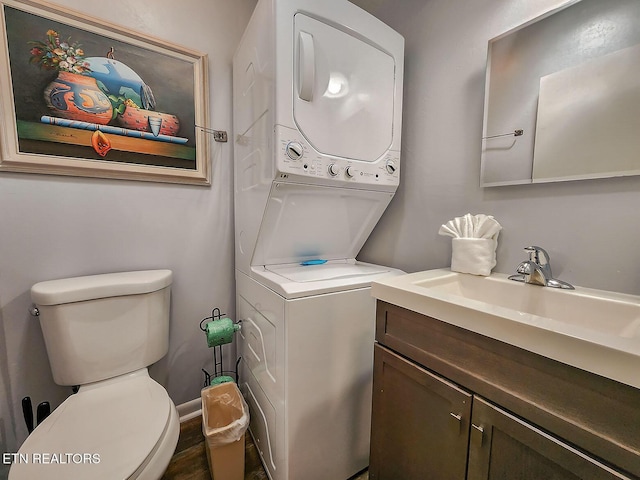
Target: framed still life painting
x,y
80,96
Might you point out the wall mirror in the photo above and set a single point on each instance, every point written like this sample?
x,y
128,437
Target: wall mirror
x,y
562,99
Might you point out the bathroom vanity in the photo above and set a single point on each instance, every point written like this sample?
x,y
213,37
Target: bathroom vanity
x,y
450,401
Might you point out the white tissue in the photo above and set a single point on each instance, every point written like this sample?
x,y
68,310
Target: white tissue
x,y
475,239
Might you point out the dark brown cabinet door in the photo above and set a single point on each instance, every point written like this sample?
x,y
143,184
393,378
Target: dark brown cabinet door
x,y
420,423
503,447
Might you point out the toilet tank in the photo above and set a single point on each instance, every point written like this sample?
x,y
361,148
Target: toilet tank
x,y
101,326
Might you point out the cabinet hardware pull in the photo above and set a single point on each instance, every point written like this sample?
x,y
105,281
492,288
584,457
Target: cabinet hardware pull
x,y
477,433
456,421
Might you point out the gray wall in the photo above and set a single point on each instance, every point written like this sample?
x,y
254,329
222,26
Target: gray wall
x,y
591,228
54,227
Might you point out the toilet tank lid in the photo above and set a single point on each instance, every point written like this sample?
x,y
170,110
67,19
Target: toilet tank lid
x,y
91,287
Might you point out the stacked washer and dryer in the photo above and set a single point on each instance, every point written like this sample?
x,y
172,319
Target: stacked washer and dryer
x,y
317,119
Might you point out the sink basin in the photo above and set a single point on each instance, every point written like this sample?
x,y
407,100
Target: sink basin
x,y
595,330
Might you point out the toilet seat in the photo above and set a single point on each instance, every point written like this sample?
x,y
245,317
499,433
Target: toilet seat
x,y
108,430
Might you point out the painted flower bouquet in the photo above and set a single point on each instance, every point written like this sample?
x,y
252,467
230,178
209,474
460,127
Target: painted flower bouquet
x,y
53,54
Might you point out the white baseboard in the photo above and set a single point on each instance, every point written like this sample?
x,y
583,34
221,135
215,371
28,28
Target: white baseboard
x,y
190,409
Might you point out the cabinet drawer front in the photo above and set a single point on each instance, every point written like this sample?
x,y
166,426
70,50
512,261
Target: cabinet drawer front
x,y
504,447
420,422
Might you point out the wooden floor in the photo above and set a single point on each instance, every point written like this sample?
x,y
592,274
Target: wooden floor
x,y
189,461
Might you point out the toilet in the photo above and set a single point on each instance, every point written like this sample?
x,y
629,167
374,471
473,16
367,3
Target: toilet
x,y
101,334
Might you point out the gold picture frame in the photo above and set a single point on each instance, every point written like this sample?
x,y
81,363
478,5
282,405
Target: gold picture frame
x,y
85,97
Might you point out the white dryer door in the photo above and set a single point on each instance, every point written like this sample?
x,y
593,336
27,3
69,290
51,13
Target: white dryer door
x,y
344,91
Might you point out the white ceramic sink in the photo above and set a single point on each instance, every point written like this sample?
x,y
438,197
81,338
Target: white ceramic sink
x,y
594,330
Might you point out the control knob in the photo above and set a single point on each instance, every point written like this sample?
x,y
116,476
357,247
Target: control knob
x,y
333,170
391,167
294,150
349,171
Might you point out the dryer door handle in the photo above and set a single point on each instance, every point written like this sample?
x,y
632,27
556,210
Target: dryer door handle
x,y
306,66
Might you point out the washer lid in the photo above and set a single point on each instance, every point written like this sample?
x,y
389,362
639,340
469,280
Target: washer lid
x,y
326,271
105,431
297,281
306,222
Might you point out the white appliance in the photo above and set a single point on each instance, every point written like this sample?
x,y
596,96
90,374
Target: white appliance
x,y
317,121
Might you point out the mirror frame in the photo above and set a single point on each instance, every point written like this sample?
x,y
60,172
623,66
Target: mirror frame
x,y
572,34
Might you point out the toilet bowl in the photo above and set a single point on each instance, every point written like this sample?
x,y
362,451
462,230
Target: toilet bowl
x,y
122,428
101,333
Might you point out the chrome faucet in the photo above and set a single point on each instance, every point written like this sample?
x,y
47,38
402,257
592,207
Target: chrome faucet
x,y
537,270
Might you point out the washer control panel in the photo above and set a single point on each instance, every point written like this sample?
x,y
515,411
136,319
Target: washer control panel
x,y
297,160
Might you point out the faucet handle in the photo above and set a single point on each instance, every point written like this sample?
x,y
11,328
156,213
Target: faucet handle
x,y
540,256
